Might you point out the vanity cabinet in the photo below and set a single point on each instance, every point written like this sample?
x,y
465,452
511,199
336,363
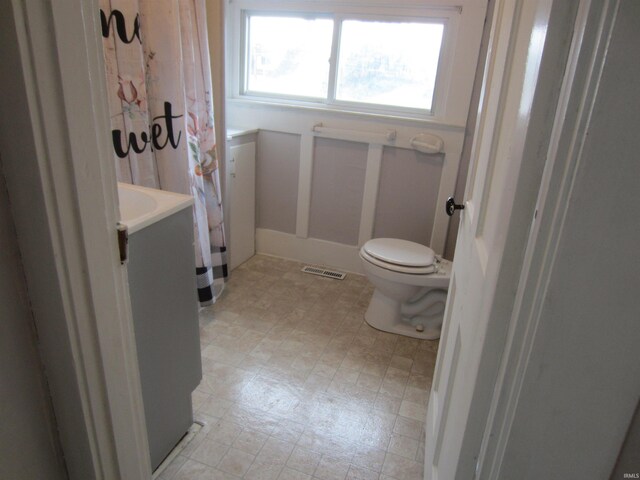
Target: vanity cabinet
x,y
241,195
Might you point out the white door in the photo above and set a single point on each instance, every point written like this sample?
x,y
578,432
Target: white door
x,y
510,78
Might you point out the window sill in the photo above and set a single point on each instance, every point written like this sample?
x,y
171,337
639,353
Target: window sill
x,y
340,111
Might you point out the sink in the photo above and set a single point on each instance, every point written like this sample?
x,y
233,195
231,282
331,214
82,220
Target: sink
x,y
161,273
141,206
135,203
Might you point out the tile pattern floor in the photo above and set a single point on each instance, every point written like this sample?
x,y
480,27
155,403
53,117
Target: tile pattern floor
x,y
297,386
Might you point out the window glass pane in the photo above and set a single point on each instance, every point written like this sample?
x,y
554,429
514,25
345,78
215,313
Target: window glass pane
x,y
389,63
289,55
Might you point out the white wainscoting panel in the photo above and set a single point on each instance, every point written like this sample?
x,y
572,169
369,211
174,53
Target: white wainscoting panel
x,y
309,250
371,184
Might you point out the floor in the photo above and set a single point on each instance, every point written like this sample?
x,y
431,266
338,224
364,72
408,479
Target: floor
x,y
297,386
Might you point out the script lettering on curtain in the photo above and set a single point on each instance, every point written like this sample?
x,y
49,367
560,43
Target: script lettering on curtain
x,y
159,91
154,138
128,93
121,27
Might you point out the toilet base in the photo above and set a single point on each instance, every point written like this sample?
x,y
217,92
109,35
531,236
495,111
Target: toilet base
x,y
384,314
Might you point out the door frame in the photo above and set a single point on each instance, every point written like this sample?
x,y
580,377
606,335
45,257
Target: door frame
x,y
526,44
62,67
70,185
552,145
592,30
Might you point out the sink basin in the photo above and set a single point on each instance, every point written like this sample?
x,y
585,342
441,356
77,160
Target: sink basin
x,y
141,206
135,204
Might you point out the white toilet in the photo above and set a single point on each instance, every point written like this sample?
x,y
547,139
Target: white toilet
x,y
411,287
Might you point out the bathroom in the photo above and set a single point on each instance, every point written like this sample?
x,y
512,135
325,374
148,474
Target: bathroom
x,y
306,181
295,382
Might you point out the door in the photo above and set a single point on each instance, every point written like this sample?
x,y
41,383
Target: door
x,y
517,35
241,182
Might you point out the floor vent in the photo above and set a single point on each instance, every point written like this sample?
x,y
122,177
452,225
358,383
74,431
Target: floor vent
x,y
323,272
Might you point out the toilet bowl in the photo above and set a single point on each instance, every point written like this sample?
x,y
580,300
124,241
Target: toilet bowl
x,y
411,285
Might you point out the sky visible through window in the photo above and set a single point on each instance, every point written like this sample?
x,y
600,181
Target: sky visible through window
x,y
379,62
389,63
289,56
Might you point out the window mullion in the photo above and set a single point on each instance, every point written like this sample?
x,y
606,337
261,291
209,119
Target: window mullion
x,y
333,60
244,52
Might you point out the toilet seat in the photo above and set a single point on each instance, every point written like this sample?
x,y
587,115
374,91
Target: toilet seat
x,y
399,256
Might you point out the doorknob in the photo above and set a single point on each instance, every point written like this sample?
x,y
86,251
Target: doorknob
x,y
451,206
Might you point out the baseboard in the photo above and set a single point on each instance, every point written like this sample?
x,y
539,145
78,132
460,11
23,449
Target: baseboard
x,y
309,250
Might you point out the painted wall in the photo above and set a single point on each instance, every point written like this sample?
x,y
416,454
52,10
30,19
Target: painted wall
x,y
215,27
28,438
333,192
629,457
407,196
337,187
404,204
461,181
20,157
277,181
347,204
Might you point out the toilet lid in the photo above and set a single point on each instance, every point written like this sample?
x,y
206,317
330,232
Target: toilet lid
x,y
397,268
400,252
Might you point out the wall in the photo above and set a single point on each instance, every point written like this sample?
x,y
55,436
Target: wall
x,y
408,184
20,152
215,27
629,457
277,171
28,438
320,196
402,203
461,181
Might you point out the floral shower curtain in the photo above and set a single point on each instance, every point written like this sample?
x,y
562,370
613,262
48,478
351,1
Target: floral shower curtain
x,y
161,105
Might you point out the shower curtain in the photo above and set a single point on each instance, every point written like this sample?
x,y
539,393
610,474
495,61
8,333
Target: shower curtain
x,y
161,104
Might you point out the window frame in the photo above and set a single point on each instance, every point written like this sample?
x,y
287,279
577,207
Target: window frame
x,y
458,57
333,80
244,56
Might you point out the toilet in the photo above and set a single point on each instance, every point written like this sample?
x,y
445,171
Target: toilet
x,y
411,284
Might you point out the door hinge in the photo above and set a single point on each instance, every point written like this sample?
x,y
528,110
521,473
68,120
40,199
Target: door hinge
x,y
123,242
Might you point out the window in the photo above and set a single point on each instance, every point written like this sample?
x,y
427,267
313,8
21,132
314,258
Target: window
x,y
288,55
388,63
357,62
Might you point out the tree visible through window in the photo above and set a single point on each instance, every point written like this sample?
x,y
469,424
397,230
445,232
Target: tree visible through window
x,y
379,63
388,63
289,55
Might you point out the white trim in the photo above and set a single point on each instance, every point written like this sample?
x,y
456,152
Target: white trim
x,y
305,177
460,48
568,136
450,166
309,250
64,75
95,187
370,195
530,33
281,120
384,138
331,111
333,63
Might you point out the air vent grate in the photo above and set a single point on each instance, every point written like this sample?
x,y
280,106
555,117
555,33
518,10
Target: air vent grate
x,y
323,272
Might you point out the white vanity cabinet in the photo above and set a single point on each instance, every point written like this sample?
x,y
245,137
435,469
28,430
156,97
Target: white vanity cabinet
x,y
240,195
